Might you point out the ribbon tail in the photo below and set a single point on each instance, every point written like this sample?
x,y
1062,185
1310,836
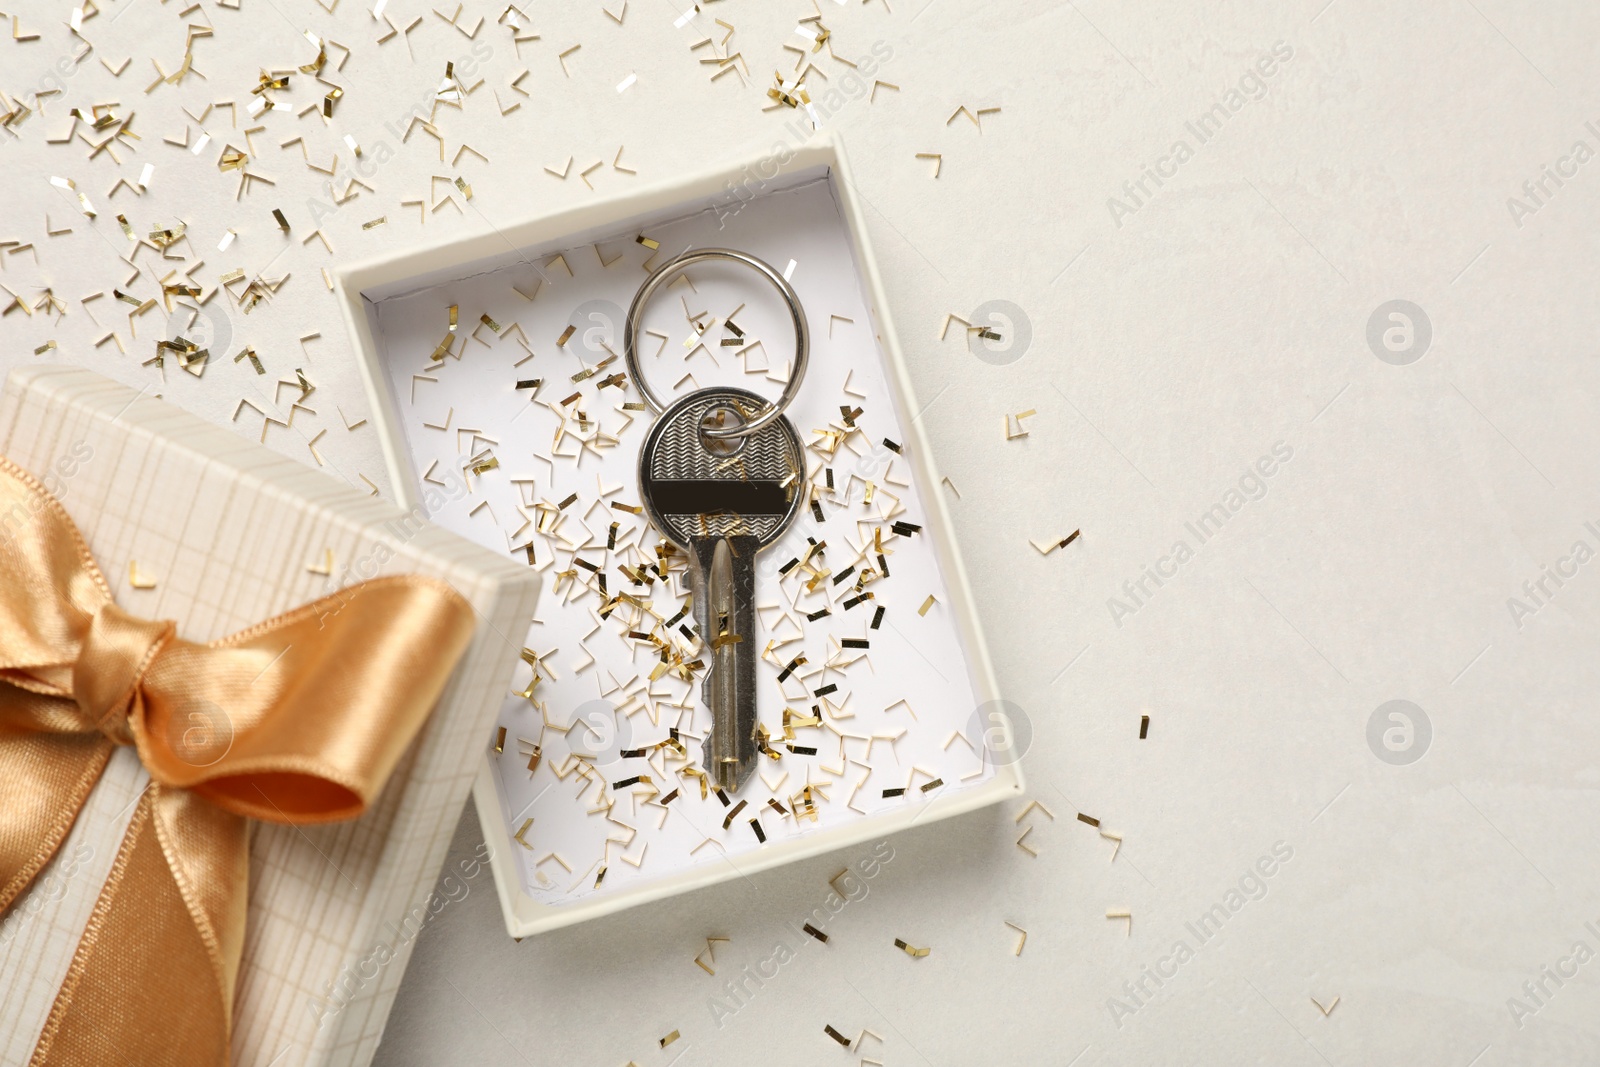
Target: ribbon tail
x,y
152,979
44,781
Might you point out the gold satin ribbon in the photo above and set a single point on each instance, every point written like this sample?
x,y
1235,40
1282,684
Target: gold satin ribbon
x,y
298,720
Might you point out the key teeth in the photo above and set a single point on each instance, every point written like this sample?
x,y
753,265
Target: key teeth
x,y
729,777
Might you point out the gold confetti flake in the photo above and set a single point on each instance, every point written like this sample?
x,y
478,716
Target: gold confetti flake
x,y
669,1039
1031,805
324,566
1045,548
1122,913
379,221
46,347
926,604
911,950
283,223
139,579
1021,940
938,161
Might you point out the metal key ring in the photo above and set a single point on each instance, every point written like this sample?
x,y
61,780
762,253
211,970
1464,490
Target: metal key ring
x,y
664,273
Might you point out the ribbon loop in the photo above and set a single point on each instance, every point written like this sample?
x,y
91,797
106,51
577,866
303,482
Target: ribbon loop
x,y
118,649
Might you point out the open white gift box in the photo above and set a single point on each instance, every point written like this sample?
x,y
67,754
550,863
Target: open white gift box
x,y
504,404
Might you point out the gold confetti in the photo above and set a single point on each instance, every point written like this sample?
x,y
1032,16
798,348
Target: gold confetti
x,y
1031,805
1023,940
138,579
1122,913
283,223
250,354
325,567
926,604
669,1039
1045,549
911,950
1020,431
938,161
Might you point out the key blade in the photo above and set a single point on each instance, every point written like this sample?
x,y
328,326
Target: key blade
x,y
730,750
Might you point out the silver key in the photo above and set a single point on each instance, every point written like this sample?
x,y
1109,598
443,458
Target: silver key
x,y
722,501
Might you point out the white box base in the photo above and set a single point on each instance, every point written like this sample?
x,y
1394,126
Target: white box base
x,y
910,711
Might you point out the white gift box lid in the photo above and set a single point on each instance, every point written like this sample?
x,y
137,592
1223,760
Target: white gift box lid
x,y
231,534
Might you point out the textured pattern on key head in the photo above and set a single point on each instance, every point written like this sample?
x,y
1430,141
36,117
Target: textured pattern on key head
x,y
675,452
686,527
679,454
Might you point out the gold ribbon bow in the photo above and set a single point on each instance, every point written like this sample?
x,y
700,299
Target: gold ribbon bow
x,y
298,720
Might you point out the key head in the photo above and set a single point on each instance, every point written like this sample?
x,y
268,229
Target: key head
x,y
694,487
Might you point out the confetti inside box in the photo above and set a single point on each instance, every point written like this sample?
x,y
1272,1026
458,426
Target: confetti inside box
x,y
499,388
189,522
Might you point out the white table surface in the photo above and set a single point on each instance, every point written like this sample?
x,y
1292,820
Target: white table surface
x,y
1172,344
